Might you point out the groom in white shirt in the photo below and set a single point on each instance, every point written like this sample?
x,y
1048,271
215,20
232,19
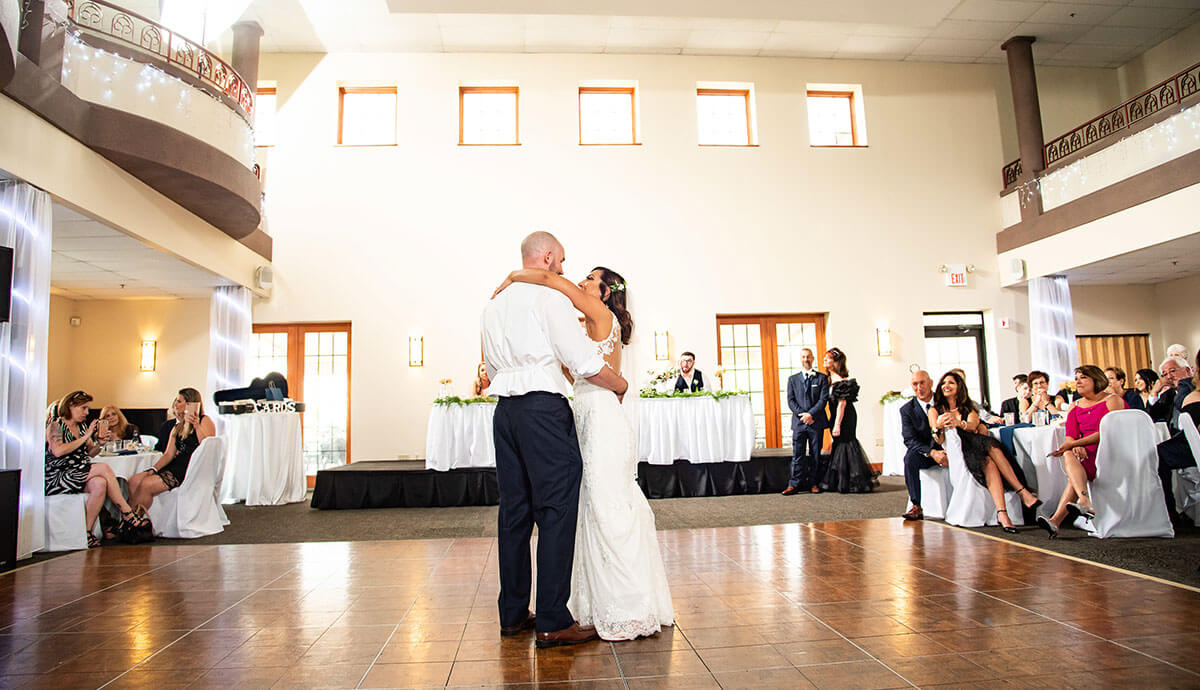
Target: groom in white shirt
x,y
530,333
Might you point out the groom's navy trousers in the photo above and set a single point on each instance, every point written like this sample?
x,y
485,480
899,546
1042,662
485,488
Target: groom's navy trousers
x,y
538,469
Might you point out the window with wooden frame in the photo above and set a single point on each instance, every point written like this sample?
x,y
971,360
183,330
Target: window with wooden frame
x,y
724,117
835,116
489,116
607,115
264,116
758,353
366,116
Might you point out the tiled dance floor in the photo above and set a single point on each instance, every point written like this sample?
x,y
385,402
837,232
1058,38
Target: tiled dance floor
x,y
869,604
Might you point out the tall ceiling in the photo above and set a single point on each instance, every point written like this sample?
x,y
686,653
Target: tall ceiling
x,y
1094,33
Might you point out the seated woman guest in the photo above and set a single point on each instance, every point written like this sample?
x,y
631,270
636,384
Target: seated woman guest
x,y
1040,398
1078,452
119,428
182,441
1143,381
1116,386
983,455
70,446
481,382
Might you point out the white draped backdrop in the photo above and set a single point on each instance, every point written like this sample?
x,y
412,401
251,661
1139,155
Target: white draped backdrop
x,y
1052,345
25,225
229,342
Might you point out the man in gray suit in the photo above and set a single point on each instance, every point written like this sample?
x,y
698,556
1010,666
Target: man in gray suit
x,y
808,393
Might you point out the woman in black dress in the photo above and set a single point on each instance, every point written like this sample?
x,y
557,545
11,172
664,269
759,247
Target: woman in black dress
x,y
982,453
184,439
849,470
70,446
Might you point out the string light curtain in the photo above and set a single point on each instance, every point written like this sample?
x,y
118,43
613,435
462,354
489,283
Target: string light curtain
x,y
1052,329
228,342
25,225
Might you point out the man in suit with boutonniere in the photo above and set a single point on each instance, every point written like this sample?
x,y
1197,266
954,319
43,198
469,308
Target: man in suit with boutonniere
x,y
808,393
689,380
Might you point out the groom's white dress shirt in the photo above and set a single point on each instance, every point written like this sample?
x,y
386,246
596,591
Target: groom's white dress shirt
x,y
527,331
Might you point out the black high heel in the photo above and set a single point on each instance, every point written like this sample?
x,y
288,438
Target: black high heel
x,y
1045,524
1037,502
1007,528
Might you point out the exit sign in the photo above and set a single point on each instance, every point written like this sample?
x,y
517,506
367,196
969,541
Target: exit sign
x,y
956,275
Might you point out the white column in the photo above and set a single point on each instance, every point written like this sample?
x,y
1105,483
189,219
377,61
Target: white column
x,y
25,226
1052,329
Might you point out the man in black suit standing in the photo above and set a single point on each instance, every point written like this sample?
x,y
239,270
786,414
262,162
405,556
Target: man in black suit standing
x,y
808,393
690,379
921,451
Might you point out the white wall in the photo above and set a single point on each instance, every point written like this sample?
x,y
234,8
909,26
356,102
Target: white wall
x,y
413,238
102,354
1163,61
1179,314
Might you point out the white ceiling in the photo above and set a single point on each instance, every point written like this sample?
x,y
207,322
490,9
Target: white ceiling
x,y
1158,263
1096,33
90,260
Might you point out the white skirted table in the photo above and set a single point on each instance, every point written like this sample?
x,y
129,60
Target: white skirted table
x,y
125,466
893,437
699,429
265,462
460,436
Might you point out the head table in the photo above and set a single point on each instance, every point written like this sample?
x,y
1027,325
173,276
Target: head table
x,y
697,429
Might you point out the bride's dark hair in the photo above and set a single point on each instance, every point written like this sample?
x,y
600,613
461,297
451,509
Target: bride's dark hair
x,y
613,295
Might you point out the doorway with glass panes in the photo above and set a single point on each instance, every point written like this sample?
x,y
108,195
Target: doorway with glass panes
x,y
954,340
758,353
315,358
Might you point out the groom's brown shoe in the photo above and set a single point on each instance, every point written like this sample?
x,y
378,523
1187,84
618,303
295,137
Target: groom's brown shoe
x,y
576,634
517,629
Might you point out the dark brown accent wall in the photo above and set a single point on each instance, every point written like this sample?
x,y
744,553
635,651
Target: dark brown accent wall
x,y
1146,186
193,174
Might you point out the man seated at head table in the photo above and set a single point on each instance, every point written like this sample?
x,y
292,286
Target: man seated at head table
x,y
690,379
1018,404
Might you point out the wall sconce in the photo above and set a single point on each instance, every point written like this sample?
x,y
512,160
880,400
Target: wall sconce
x,y
416,351
149,354
662,346
883,342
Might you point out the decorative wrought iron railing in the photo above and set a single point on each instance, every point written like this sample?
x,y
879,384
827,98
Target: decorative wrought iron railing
x,y
1158,97
118,24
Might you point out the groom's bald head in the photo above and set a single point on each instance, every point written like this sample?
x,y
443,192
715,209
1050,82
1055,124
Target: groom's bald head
x,y
542,250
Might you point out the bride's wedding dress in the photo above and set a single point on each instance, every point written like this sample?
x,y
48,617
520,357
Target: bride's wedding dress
x,y
619,584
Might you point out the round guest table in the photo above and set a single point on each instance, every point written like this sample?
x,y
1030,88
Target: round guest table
x,y
699,429
460,436
125,466
264,464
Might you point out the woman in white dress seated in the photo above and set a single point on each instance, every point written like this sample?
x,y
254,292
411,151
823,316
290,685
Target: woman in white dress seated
x,y
618,583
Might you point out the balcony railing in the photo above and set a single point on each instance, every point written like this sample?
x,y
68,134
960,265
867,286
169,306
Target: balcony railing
x,y
118,24
1152,100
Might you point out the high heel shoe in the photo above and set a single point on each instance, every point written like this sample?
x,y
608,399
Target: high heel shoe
x,y
1083,512
1045,524
1037,502
1007,528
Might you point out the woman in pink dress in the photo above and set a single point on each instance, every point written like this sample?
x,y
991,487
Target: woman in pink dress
x,y
1078,453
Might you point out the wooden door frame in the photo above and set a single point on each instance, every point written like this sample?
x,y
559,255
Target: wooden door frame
x,y
770,358
294,330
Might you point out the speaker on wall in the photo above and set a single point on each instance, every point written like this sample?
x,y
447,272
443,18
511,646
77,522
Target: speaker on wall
x,y
6,273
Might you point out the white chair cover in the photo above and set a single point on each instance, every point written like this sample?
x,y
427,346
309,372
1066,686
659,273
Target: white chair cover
x,y
935,491
1187,482
1126,492
194,509
65,515
970,504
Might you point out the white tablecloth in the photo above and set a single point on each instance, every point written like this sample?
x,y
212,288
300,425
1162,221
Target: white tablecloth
x,y
125,466
1033,446
893,437
265,463
460,436
695,429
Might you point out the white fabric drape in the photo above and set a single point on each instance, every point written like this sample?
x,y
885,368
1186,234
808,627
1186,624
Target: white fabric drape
x,y
1052,329
25,225
229,328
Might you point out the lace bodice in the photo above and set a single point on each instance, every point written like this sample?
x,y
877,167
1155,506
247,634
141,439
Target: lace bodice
x,y
609,344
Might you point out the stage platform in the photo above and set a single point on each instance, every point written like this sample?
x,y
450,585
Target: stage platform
x,y
407,484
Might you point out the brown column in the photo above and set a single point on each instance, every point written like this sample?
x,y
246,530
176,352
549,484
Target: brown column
x,y
1028,113
246,36
29,40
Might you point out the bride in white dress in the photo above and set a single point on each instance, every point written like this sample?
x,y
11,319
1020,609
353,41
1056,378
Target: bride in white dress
x,y
618,584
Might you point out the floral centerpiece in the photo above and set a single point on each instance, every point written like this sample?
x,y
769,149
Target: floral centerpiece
x,y
444,390
660,383
455,400
892,395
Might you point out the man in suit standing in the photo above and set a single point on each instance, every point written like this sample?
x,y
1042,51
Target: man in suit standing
x,y
808,393
921,451
690,379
